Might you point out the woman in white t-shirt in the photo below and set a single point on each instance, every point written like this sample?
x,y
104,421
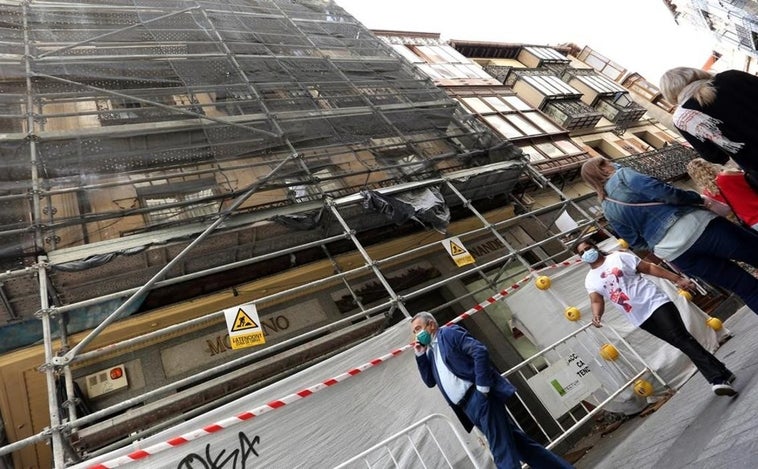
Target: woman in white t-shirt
x,y
617,277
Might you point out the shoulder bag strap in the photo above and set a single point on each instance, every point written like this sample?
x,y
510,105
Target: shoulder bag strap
x,y
638,204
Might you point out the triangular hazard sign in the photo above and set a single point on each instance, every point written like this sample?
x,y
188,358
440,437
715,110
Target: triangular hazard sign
x,y
456,250
242,322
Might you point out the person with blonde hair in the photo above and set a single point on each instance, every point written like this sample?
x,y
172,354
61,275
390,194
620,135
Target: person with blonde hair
x,y
675,225
727,186
716,114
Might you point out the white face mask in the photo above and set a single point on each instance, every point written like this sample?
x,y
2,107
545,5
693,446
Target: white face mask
x,y
590,255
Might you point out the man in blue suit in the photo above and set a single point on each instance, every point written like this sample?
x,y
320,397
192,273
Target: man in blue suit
x,y
452,359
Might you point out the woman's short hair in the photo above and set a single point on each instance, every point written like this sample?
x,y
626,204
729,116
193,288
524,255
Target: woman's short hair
x,y
682,83
595,173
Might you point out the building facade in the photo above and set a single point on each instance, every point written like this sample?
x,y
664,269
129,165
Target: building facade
x,y
733,25
164,163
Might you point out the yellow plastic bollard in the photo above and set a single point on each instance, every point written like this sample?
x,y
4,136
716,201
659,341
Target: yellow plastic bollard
x,y
542,282
609,352
572,313
685,294
643,388
714,323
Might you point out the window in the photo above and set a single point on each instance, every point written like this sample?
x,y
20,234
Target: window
x,y
569,147
550,149
545,124
405,52
633,146
517,103
327,182
508,114
116,110
503,127
477,105
432,73
523,125
176,199
555,149
400,159
534,155
441,54
497,103
602,64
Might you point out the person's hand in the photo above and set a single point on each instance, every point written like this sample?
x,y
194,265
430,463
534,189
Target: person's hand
x,y
716,206
596,321
685,284
420,349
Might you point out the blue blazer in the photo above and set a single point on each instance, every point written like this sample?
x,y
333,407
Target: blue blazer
x,y
468,359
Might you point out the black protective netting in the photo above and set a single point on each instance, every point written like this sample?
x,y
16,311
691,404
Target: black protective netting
x,y
106,104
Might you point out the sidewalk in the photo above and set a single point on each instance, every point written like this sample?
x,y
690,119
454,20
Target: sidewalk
x,y
695,429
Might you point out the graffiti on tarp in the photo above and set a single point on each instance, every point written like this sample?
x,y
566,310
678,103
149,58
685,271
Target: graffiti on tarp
x,y
237,459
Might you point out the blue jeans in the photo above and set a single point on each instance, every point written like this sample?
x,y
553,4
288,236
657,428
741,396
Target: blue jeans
x,y
508,443
713,254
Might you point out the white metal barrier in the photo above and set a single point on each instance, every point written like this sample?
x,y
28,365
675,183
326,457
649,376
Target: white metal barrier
x,y
384,453
618,376
615,376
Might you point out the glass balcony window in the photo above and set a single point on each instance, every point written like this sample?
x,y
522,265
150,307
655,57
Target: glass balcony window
x,y
478,105
518,103
503,127
523,125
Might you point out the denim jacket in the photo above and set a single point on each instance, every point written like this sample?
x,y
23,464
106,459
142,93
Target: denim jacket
x,y
644,226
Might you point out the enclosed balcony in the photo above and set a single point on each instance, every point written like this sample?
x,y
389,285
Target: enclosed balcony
x,y
537,88
533,56
620,109
603,94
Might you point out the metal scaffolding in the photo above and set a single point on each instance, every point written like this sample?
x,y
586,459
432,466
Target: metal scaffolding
x,y
153,144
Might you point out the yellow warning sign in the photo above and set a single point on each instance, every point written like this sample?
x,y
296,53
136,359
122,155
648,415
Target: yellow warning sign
x,y
244,326
460,255
242,341
243,322
456,250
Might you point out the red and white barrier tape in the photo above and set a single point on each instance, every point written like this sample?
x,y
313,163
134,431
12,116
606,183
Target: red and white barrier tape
x,y
141,454
505,292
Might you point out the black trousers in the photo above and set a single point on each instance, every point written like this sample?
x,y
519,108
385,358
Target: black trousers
x,y
666,324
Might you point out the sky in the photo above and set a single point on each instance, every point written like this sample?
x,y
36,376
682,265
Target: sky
x,y
639,35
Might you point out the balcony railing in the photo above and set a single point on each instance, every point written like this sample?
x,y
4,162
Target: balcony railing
x,y
572,114
499,72
620,110
667,163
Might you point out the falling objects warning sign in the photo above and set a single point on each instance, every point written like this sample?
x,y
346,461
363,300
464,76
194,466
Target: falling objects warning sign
x,y
244,326
455,248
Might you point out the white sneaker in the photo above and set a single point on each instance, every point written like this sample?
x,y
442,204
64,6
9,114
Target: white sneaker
x,y
721,388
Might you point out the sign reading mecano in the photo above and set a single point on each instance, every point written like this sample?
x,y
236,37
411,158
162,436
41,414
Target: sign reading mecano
x,y
206,349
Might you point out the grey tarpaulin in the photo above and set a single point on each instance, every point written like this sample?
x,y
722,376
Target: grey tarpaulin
x,y
425,206
327,428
